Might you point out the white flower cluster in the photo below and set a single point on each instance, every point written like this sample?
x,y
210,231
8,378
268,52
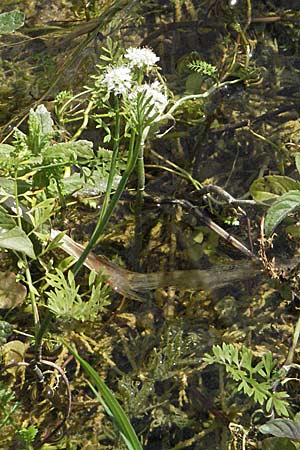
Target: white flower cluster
x,y
141,57
118,79
157,100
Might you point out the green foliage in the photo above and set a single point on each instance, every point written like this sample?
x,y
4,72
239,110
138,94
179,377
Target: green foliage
x,y
45,167
283,428
27,435
203,68
255,380
37,153
269,188
285,205
8,405
110,404
65,301
11,21
283,191
5,331
12,236
278,444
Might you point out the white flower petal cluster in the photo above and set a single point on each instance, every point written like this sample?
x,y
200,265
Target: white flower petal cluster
x,y
140,57
118,79
156,101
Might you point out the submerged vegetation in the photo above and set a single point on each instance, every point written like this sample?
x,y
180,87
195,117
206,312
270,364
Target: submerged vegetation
x,y
164,136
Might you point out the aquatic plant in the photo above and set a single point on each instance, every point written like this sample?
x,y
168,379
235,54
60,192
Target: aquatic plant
x,y
197,124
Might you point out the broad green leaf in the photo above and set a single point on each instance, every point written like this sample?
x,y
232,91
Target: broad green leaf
x,y
5,151
11,21
69,151
278,444
110,403
297,419
44,117
281,428
297,161
13,237
95,185
271,187
7,186
16,239
6,221
12,293
280,209
72,183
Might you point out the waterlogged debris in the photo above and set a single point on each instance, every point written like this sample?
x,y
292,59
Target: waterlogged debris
x,y
12,293
13,352
11,21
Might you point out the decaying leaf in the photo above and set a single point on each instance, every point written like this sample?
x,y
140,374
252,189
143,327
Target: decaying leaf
x,y
13,352
12,293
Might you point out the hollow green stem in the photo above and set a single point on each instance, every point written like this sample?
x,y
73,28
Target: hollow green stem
x,y
134,147
112,170
196,96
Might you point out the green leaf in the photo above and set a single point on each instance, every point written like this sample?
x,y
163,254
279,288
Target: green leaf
x,y
69,151
280,404
280,209
297,419
11,21
8,186
269,363
278,444
5,331
297,161
246,360
13,237
269,188
16,239
281,428
5,151
45,120
110,403
28,434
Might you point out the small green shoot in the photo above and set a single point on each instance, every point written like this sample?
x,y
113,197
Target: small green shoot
x,y
110,404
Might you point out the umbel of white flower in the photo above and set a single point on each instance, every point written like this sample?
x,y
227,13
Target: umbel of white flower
x,y
140,57
117,79
157,100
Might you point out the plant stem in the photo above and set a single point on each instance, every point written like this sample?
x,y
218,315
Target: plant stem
x,y
138,232
112,170
196,96
134,147
31,288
